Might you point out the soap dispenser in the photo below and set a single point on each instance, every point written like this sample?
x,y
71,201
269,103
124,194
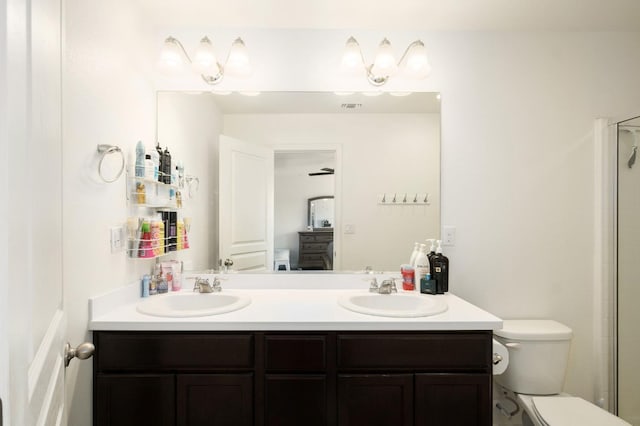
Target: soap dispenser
x,y
432,249
441,270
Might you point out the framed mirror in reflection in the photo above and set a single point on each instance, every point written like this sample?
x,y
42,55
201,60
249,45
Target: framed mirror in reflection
x,y
354,148
320,213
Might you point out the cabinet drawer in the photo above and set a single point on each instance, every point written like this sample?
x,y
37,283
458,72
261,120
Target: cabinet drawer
x,y
295,353
318,237
320,247
127,351
429,351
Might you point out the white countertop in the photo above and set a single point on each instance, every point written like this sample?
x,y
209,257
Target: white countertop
x,y
284,302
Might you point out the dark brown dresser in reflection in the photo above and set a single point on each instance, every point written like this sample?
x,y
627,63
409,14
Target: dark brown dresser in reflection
x,y
316,249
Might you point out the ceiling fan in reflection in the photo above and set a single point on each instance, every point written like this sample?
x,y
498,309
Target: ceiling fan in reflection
x,y
324,171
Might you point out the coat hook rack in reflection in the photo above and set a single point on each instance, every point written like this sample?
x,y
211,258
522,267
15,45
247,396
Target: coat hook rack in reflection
x,y
404,199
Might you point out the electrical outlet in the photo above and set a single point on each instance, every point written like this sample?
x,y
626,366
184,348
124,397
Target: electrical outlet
x,y
349,228
449,236
117,239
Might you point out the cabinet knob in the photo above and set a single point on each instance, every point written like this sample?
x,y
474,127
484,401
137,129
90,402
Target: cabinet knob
x,y
83,351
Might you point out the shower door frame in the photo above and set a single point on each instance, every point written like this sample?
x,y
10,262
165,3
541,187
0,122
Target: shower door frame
x,y
610,308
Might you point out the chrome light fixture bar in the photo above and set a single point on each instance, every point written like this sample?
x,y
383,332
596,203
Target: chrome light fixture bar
x,y
413,63
204,60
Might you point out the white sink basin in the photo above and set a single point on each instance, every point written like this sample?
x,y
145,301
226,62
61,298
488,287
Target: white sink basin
x,y
402,305
182,305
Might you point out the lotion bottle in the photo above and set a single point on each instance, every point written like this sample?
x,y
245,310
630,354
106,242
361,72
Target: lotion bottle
x,y
441,270
414,254
422,267
432,251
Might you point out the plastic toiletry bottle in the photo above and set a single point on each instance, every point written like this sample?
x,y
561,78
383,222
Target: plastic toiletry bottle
x,y
159,176
139,159
422,264
441,270
166,166
414,254
148,167
432,251
155,160
408,277
146,280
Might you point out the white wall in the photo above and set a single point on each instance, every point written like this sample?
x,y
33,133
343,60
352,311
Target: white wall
x,y
108,98
381,153
517,143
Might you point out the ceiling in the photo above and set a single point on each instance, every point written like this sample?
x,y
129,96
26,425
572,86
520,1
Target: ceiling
x,y
424,15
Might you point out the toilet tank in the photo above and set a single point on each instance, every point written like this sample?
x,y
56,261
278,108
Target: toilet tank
x,y
538,355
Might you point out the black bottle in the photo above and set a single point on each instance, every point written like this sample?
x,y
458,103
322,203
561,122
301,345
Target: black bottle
x,y
166,166
440,270
160,162
431,253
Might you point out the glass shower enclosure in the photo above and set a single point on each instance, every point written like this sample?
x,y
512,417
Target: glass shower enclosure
x,y
627,342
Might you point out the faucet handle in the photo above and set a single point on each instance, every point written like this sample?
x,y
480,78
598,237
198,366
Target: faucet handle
x,y
373,286
216,285
390,284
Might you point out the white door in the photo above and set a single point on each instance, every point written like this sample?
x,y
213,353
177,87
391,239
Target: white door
x,y
245,205
32,374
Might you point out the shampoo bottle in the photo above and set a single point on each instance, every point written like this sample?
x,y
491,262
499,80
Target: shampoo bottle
x,y
166,166
441,270
421,268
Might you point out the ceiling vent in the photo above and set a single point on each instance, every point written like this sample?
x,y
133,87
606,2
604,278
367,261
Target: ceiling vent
x,y
351,106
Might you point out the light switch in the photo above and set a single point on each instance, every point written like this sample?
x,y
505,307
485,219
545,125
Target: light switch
x,y
117,239
449,236
349,228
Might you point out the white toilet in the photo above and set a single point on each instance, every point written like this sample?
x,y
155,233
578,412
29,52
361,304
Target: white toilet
x,y
538,356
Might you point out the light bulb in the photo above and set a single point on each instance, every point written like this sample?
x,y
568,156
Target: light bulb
x,y
204,59
171,56
238,61
384,63
351,57
417,62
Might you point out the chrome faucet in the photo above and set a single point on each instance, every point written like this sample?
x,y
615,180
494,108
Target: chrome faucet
x,y
388,286
202,285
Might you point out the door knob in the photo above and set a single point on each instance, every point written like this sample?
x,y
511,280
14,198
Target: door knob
x,y
83,351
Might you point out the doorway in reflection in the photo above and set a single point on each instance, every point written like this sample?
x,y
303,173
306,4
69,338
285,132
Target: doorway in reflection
x,y
304,218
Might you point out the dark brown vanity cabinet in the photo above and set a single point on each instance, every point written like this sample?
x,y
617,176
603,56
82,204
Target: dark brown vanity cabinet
x,y
292,378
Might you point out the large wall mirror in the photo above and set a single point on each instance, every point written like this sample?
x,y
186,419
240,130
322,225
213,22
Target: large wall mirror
x,y
264,157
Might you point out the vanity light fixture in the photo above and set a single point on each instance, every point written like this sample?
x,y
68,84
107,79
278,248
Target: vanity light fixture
x,y
204,60
413,63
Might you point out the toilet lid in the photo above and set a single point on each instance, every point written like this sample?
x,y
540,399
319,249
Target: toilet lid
x,y
573,411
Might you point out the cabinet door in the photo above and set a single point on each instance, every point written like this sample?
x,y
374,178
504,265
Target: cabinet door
x,y
453,399
375,400
135,400
215,399
295,400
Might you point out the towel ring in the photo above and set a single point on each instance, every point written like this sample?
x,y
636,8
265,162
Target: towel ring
x,y
105,150
193,184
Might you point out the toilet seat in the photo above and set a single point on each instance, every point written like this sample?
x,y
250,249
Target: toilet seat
x,y
572,411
